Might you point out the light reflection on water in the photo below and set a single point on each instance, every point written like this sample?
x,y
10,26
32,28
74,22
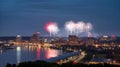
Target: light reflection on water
x,y
31,53
51,53
18,54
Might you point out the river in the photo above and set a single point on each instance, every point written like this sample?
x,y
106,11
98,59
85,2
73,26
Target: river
x,y
26,53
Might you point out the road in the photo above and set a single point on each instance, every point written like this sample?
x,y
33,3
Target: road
x,y
75,59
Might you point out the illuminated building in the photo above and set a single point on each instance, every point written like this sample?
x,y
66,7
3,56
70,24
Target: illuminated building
x,y
35,38
104,38
18,39
73,40
90,41
60,42
108,40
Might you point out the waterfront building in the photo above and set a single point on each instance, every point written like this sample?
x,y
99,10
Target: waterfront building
x,y
35,38
18,39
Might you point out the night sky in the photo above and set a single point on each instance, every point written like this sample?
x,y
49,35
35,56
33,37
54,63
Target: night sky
x,y
26,17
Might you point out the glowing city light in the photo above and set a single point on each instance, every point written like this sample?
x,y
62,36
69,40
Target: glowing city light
x,y
18,48
18,54
18,35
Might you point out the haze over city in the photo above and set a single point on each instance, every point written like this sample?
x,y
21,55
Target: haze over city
x,y
26,17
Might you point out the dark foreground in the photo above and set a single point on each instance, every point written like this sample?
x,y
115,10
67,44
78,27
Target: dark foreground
x,y
46,64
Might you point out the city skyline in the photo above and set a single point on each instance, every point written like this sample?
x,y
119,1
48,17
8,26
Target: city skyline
x,y
26,17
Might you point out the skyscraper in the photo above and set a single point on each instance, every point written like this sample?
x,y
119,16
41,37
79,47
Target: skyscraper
x,y
35,38
18,39
73,40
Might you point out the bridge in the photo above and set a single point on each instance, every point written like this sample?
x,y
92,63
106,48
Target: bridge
x,y
67,57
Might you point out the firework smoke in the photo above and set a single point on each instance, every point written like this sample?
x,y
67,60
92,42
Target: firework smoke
x,y
52,28
88,27
71,28
78,28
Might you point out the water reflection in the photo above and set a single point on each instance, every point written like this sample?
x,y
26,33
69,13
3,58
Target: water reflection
x,y
26,53
51,53
32,48
18,54
38,52
44,53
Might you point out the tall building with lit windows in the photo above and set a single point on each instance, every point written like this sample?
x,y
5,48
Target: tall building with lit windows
x,y
90,41
35,38
73,40
18,39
